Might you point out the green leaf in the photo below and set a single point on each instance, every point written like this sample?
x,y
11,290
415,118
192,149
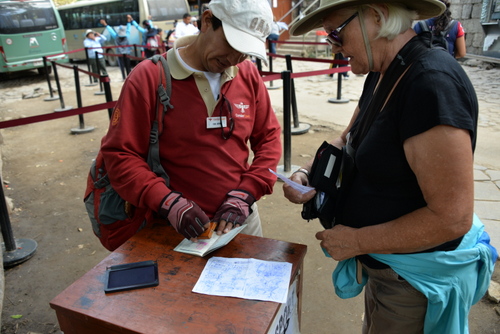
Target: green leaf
x,y
17,316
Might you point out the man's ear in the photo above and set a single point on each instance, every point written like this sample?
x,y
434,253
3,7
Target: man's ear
x,y
206,20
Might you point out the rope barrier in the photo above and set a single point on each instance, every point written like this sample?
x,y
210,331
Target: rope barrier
x,y
49,117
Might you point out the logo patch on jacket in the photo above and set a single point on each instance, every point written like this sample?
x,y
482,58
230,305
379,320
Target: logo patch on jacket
x,y
116,116
241,109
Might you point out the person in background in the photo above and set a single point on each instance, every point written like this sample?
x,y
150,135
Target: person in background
x,y
170,37
93,43
452,30
221,111
122,41
185,27
161,44
147,31
404,228
274,35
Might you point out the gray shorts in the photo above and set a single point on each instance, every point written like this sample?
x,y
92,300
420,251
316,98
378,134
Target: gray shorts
x,y
392,305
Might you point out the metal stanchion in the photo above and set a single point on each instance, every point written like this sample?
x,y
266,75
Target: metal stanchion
x,y
107,93
339,98
287,169
52,96
15,251
101,91
91,83
298,128
271,83
126,64
59,91
82,128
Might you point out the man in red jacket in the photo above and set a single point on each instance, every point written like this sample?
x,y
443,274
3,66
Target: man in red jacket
x,y
221,111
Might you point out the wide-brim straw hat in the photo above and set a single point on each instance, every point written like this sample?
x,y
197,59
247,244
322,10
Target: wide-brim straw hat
x,y
424,8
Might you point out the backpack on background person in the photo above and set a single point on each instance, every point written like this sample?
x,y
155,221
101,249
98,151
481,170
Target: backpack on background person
x,y
445,38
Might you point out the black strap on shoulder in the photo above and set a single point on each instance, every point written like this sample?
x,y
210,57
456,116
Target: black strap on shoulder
x,y
423,25
406,56
448,28
164,93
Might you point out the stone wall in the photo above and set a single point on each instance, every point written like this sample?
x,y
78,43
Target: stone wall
x,y
468,12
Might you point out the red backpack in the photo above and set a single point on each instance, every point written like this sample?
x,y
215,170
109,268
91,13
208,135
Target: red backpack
x,y
113,219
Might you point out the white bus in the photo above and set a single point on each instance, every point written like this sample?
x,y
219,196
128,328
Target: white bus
x,y
86,14
30,30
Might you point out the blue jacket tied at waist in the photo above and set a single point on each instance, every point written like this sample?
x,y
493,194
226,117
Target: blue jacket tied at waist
x,y
452,281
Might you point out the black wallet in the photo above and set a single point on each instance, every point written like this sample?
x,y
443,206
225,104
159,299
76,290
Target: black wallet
x,y
324,176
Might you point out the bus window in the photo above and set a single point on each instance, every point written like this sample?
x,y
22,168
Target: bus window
x,y
19,17
29,31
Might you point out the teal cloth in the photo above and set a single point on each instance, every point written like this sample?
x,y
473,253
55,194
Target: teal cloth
x,y
452,281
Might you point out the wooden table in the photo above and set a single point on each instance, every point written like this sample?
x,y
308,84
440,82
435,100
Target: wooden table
x,y
172,307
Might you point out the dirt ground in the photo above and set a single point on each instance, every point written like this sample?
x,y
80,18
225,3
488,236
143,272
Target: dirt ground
x,y
45,169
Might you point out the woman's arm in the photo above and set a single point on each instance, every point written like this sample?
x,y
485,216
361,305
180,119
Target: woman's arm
x,y
460,48
442,161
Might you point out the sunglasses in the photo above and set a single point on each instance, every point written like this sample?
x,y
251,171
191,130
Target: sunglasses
x,y
226,134
333,38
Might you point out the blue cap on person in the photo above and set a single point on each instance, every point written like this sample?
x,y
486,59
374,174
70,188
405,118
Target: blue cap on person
x,y
246,24
425,10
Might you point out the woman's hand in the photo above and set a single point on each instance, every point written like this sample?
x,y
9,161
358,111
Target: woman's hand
x,y
340,242
294,195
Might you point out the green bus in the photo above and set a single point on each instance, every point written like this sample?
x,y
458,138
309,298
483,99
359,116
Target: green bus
x,y
30,30
79,16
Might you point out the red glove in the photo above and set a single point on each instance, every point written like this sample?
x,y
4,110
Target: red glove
x,y
236,208
185,215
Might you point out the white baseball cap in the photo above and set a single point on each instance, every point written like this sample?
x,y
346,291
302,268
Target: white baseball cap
x,y
88,32
246,24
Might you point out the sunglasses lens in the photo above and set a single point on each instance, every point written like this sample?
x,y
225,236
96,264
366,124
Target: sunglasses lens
x,y
334,40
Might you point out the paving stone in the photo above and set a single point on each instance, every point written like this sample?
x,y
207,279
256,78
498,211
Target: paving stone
x,y
480,175
486,191
494,174
487,210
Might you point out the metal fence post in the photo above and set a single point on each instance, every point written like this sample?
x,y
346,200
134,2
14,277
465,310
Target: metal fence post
x,y
59,91
287,168
339,98
15,251
107,92
98,64
82,128
298,128
89,69
47,76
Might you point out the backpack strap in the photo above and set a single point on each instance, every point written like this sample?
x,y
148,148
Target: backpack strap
x,y
423,25
164,90
448,28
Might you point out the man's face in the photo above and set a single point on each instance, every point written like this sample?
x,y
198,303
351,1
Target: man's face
x,y
187,20
218,55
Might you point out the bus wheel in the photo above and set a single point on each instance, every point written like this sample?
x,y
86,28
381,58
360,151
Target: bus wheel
x,y
41,70
112,61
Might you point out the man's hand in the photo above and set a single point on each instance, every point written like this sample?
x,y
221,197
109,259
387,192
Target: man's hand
x,y
234,211
185,215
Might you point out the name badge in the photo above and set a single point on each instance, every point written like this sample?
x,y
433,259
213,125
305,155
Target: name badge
x,y
216,122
